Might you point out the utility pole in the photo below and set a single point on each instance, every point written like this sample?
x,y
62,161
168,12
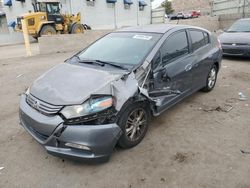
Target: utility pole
x,y
137,12
244,5
115,18
70,7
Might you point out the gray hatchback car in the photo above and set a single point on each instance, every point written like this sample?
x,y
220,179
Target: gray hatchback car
x,y
235,41
105,95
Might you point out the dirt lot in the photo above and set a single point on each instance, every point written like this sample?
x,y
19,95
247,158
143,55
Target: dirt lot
x,y
194,144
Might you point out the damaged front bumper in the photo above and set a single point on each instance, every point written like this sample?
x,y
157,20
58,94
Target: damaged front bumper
x,y
77,142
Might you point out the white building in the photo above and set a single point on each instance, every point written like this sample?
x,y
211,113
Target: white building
x,y
99,14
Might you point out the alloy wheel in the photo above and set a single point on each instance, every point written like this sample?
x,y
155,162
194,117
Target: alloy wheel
x,y
212,78
136,124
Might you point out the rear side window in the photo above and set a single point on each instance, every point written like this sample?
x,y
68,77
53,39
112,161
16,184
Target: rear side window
x,y
206,36
199,39
175,47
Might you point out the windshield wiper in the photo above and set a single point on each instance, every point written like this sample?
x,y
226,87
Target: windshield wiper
x,y
89,61
112,64
100,62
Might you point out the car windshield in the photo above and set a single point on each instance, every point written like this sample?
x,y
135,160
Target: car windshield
x,y
240,26
121,48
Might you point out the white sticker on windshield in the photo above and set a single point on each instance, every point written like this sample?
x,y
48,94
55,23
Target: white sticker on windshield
x,y
142,37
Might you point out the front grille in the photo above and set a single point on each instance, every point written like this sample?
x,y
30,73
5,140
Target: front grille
x,y
42,107
233,51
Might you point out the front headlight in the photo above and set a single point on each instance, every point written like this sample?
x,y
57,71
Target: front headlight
x,y
91,106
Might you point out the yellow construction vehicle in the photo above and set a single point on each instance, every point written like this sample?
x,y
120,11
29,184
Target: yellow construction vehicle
x,y
47,20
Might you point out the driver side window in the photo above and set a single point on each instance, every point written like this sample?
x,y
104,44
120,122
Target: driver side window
x,y
43,7
53,8
174,47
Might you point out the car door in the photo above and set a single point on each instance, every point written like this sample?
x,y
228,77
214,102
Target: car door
x,y
171,77
201,50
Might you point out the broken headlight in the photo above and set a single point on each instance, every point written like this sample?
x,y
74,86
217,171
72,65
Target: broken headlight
x,y
91,106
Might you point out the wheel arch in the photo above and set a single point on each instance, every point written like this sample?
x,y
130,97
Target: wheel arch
x,y
72,25
138,98
217,65
41,25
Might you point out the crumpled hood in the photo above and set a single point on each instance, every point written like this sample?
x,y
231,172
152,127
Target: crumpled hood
x,y
68,84
235,38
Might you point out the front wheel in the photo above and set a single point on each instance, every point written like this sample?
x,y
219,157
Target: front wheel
x,y
47,30
77,28
134,124
211,79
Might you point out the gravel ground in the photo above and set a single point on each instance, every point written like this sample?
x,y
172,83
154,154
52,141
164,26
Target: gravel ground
x,y
194,144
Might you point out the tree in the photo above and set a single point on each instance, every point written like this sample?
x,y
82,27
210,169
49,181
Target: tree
x,y
167,5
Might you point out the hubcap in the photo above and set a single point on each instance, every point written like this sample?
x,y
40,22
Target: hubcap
x,y
78,30
48,33
212,78
136,124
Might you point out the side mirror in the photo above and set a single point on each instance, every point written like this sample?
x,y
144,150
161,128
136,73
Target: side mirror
x,y
225,29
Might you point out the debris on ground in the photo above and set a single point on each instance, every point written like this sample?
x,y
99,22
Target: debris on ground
x,y
143,179
220,108
231,100
1,168
180,157
18,76
163,180
225,85
242,97
245,152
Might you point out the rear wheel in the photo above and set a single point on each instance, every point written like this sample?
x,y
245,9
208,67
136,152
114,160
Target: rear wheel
x,y
77,28
211,79
134,124
48,30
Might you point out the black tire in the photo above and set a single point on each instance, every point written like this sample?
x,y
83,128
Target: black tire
x,y
211,81
47,30
77,28
139,127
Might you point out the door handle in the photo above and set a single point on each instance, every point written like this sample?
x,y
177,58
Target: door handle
x,y
188,67
196,65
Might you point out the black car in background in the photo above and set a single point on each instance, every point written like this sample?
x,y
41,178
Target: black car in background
x,y
236,40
